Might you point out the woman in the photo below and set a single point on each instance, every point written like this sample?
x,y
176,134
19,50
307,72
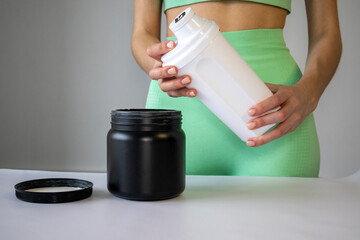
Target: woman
x,y
254,28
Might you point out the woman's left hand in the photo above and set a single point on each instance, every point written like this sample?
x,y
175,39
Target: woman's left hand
x,y
296,104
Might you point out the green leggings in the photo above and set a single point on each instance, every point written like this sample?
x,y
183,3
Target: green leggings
x,y
213,149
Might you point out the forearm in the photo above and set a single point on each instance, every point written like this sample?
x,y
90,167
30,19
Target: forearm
x,y
146,31
139,43
325,48
322,61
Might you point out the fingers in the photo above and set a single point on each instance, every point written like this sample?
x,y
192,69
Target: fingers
x,y
294,109
279,131
274,117
163,72
182,92
270,103
157,50
167,85
166,76
176,87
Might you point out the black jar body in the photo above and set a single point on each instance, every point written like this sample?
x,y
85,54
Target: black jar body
x,y
146,154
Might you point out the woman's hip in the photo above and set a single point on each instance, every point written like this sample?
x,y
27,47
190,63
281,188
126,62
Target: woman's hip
x,y
267,54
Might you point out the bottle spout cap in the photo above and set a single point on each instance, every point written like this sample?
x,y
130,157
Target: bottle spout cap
x,y
193,34
186,24
181,19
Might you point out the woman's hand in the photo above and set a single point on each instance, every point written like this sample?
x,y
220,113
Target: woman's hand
x,y
296,104
298,101
166,76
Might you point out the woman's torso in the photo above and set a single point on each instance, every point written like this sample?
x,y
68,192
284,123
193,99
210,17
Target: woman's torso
x,y
234,15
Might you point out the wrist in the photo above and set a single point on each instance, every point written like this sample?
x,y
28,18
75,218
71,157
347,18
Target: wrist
x,y
308,88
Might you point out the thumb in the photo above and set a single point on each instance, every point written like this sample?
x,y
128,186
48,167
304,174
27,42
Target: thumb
x,y
157,50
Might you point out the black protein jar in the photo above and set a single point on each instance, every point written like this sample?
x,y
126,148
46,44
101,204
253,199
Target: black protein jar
x,y
146,154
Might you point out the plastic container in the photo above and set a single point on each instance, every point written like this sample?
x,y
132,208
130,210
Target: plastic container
x,y
146,154
224,81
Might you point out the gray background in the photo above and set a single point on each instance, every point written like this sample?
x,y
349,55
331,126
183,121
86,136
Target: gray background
x,y
65,64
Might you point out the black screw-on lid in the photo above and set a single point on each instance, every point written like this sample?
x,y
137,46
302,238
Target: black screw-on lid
x,y
145,119
84,191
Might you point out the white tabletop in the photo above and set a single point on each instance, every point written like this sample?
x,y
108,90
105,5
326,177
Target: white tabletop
x,y
212,207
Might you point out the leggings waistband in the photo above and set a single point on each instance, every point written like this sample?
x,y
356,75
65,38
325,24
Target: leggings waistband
x,y
252,34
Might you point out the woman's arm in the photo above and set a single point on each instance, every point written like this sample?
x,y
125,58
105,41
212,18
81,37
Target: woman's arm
x,y
147,49
146,31
325,46
298,101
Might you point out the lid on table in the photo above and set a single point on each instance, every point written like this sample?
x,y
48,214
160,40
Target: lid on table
x,y
53,190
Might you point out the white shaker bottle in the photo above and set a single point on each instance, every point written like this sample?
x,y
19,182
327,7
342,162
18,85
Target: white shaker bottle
x,y
224,81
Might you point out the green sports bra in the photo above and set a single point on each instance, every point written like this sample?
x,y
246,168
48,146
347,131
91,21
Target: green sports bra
x,y
286,4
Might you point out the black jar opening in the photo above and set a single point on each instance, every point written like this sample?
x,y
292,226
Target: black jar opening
x,y
145,119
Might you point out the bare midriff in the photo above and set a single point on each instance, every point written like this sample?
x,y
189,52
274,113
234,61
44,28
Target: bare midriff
x,y
234,15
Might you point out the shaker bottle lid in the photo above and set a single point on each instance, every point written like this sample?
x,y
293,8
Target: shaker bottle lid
x,y
193,34
181,19
53,190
